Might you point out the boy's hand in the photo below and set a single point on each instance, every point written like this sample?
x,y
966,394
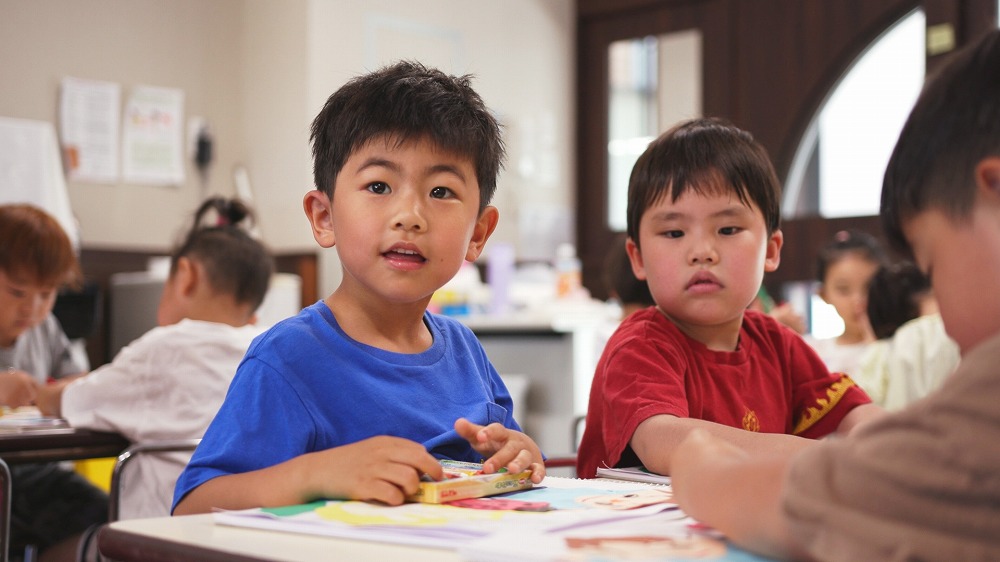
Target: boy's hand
x,y
383,469
506,448
17,388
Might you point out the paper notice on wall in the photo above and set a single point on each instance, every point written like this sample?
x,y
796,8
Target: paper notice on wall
x,y
89,118
31,172
152,136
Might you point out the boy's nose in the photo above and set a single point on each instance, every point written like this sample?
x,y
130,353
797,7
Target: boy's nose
x,y
703,253
410,216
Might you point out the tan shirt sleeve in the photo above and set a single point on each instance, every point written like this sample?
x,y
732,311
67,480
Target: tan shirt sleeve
x,y
922,483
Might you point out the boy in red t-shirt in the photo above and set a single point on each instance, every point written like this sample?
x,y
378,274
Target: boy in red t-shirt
x,y
703,227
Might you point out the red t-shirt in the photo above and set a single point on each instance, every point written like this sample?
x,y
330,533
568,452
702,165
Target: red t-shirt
x,y
773,383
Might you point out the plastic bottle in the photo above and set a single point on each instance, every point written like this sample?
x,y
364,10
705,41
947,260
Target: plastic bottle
x,y
568,276
499,275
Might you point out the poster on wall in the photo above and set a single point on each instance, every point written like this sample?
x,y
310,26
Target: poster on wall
x,y
31,171
89,121
152,136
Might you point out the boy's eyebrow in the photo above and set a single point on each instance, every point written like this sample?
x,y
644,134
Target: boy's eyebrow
x,y
733,211
376,162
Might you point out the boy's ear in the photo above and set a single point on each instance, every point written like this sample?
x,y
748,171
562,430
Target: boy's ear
x,y
988,177
486,223
772,254
635,258
318,210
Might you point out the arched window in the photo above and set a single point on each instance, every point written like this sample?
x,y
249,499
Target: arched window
x,y
838,168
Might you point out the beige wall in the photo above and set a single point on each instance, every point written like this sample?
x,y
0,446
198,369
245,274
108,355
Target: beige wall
x,y
188,44
259,70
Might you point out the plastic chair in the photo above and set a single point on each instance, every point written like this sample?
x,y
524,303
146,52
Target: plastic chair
x,y
133,452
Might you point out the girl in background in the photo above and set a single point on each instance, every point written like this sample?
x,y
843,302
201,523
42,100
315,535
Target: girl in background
x,y
169,383
844,269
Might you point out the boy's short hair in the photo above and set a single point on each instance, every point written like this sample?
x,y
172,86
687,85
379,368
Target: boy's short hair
x,y
34,248
406,102
954,124
694,155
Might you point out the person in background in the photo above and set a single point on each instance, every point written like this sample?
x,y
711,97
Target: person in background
x,y
619,280
360,394
783,312
703,228
913,354
51,507
844,268
921,483
169,383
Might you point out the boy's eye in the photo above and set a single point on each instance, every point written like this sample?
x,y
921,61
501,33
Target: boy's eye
x,y
441,193
729,230
673,233
379,188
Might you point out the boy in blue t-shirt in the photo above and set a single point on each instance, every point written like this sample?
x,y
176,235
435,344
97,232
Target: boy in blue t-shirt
x,y
359,394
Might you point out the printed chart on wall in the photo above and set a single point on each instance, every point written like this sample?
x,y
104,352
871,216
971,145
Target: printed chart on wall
x,y
560,519
152,136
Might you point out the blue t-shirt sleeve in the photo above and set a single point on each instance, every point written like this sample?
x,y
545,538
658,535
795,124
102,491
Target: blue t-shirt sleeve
x,y
262,422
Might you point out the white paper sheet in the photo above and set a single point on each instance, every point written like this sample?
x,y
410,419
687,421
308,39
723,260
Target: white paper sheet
x,y
89,120
31,170
152,136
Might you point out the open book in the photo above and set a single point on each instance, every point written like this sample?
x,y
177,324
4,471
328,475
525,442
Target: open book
x,y
633,474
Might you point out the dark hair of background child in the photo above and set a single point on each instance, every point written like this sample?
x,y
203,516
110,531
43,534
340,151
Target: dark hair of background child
x,y
407,102
704,155
848,242
236,263
620,281
894,296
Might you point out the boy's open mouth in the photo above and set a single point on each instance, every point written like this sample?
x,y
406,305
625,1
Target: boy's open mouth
x,y
405,255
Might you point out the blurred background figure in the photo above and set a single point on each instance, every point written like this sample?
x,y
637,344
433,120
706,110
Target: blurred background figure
x,y
913,354
844,268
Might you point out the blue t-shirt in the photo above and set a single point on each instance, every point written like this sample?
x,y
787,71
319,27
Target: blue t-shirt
x,y
306,386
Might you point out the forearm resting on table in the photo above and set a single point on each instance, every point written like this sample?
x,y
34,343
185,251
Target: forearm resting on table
x,y
278,485
736,493
657,438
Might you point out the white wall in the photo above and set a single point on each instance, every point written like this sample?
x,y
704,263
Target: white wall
x,y
259,70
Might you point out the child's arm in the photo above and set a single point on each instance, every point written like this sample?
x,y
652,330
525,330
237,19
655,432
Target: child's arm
x,y
735,492
505,447
17,388
859,416
382,469
656,439
49,400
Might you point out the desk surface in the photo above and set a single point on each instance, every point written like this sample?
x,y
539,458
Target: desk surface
x,y
198,539
61,444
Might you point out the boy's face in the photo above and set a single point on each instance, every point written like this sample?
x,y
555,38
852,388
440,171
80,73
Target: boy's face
x,y
23,305
704,257
962,259
403,218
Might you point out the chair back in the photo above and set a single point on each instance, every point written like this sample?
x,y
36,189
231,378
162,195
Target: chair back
x,y
134,452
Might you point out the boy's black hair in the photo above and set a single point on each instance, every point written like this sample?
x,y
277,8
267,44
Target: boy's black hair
x,y
954,124
406,102
235,262
696,155
847,242
894,296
